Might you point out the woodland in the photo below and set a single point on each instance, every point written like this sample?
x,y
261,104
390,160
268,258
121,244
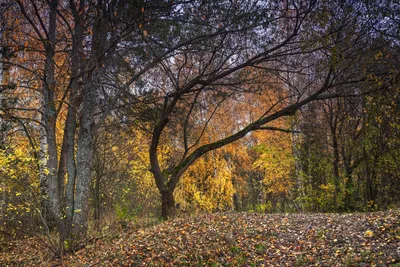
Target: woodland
x,y
134,127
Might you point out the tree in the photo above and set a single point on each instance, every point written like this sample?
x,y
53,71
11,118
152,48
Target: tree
x,y
58,73
339,165
201,77
175,69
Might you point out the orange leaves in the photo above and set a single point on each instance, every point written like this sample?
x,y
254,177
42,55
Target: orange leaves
x,y
245,239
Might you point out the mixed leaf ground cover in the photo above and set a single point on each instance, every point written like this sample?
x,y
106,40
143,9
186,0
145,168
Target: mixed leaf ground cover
x,y
240,239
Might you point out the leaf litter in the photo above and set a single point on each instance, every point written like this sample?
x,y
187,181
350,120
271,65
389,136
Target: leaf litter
x,y
247,239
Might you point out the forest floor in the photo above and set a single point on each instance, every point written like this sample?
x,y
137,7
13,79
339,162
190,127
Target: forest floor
x,y
239,239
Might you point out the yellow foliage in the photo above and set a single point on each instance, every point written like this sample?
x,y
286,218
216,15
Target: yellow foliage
x,y
17,162
19,181
277,162
207,185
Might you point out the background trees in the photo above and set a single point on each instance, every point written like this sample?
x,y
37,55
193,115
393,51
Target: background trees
x,y
246,105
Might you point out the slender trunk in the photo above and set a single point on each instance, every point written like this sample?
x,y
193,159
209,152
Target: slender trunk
x,y
3,131
374,188
236,202
369,184
260,187
71,167
253,190
71,124
43,177
96,200
49,183
336,175
333,123
62,169
4,81
52,177
349,185
68,155
297,156
235,197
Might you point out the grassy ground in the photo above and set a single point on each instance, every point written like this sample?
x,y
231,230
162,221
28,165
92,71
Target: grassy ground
x,y
238,239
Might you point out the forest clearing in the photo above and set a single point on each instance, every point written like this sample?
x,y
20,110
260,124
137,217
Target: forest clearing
x,y
199,132
236,239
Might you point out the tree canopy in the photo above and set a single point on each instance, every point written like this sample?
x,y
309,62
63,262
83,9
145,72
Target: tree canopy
x,y
128,108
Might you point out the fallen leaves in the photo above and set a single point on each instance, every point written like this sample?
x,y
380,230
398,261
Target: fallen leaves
x,y
248,239
368,233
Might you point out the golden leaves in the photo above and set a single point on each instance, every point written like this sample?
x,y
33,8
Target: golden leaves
x,y
276,161
208,184
368,233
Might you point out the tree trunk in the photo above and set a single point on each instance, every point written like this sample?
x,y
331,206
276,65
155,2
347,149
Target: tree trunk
x,y
253,191
336,175
70,123
49,183
43,177
3,101
349,185
235,197
236,202
62,170
96,200
68,154
333,125
369,195
296,142
84,163
168,204
84,154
